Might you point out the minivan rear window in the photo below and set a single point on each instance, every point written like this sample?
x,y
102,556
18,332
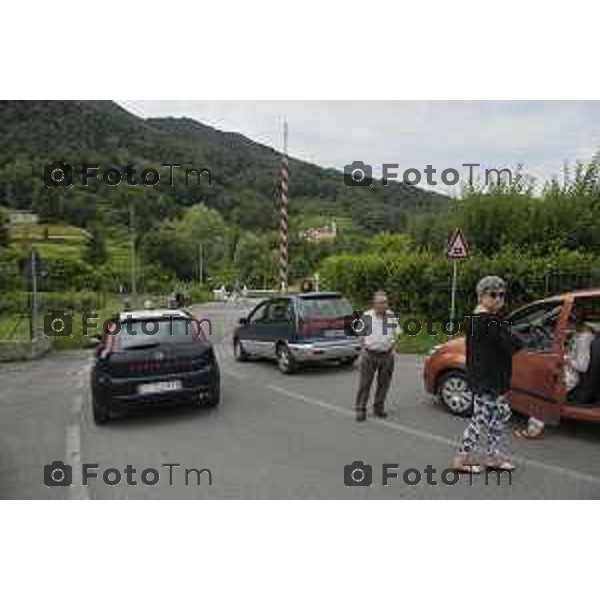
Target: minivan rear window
x,y
324,308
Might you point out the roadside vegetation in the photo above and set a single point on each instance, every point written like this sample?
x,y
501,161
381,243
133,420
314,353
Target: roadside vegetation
x,y
542,237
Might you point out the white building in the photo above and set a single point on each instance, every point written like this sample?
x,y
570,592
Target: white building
x,y
23,217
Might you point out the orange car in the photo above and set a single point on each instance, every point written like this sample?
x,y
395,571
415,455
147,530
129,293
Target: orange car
x,y
538,378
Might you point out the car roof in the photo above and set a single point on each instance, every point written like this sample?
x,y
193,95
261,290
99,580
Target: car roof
x,y
574,294
152,314
312,295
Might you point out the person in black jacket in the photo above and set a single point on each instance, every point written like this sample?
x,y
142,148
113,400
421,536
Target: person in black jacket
x,y
490,346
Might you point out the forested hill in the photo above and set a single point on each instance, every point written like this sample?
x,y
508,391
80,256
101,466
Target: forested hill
x,y
35,133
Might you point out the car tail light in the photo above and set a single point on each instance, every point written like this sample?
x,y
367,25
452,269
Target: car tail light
x,y
310,327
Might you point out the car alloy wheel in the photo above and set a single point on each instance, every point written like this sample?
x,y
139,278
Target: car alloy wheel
x,y
285,362
239,353
214,397
455,393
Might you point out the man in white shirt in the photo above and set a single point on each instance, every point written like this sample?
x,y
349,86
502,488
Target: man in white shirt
x,y
378,331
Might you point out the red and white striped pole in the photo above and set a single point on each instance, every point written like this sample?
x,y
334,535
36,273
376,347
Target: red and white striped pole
x,y
283,214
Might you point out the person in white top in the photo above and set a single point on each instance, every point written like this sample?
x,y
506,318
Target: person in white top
x,y
378,328
577,361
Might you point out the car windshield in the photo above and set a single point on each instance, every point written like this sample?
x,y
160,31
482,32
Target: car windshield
x,y
324,308
154,332
544,315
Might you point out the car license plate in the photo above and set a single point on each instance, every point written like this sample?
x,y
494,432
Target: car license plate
x,y
335,333
159,387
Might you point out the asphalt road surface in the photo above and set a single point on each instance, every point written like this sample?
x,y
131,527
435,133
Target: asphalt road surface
x,y
273,436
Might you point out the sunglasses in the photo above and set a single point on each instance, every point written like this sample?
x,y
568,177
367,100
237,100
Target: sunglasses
x,y
495,295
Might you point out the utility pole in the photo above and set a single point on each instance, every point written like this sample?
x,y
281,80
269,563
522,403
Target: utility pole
x,y
453,293
132,240
34,302
283,213
201,263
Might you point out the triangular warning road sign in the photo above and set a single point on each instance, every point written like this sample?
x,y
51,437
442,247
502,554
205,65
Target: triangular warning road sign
x,y
457,248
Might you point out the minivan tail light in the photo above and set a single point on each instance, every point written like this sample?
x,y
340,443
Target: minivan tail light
x,y
305,328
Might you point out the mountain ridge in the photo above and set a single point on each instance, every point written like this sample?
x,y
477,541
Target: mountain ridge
x,y
34,133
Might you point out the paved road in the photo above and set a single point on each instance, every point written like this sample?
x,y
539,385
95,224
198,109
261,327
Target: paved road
x,y
273,436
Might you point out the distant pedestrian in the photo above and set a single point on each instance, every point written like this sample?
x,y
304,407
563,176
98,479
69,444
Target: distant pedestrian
x,y
306,286
379,328
490,346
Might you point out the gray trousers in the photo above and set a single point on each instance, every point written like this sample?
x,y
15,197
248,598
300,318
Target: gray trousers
x,y
371,363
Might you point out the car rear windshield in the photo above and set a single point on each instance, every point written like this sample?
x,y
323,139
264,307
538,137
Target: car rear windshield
x,y
151,332
324,308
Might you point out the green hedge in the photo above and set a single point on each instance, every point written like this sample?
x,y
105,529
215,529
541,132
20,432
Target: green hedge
x,y
421,282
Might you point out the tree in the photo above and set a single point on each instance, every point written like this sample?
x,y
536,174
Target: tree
x,y
168,247
95,247
390,243
4,227
204,226
254,260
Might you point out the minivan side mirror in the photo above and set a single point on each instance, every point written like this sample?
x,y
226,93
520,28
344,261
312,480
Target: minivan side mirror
x,y
243,321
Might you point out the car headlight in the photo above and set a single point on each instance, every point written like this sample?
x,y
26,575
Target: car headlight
x,y
434,349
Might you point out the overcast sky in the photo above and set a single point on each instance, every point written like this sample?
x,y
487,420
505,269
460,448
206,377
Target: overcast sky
x,y
540,135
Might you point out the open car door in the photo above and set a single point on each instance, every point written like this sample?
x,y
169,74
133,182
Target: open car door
x,y
537,386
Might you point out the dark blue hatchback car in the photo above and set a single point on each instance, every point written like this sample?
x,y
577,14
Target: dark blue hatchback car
x,y
152,358
296,329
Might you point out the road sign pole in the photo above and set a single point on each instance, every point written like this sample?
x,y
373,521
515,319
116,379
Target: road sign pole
x,y
34,296
132,242
456,250
453,297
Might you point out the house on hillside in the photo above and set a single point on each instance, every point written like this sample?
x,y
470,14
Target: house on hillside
x,y
327,233
23,217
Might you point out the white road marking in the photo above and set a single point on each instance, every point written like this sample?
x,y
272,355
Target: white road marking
x,y
425,435
233,374
77,491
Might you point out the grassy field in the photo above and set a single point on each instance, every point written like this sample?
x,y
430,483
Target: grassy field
x,y
66,241
37,231
54,241
14,327
421,343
